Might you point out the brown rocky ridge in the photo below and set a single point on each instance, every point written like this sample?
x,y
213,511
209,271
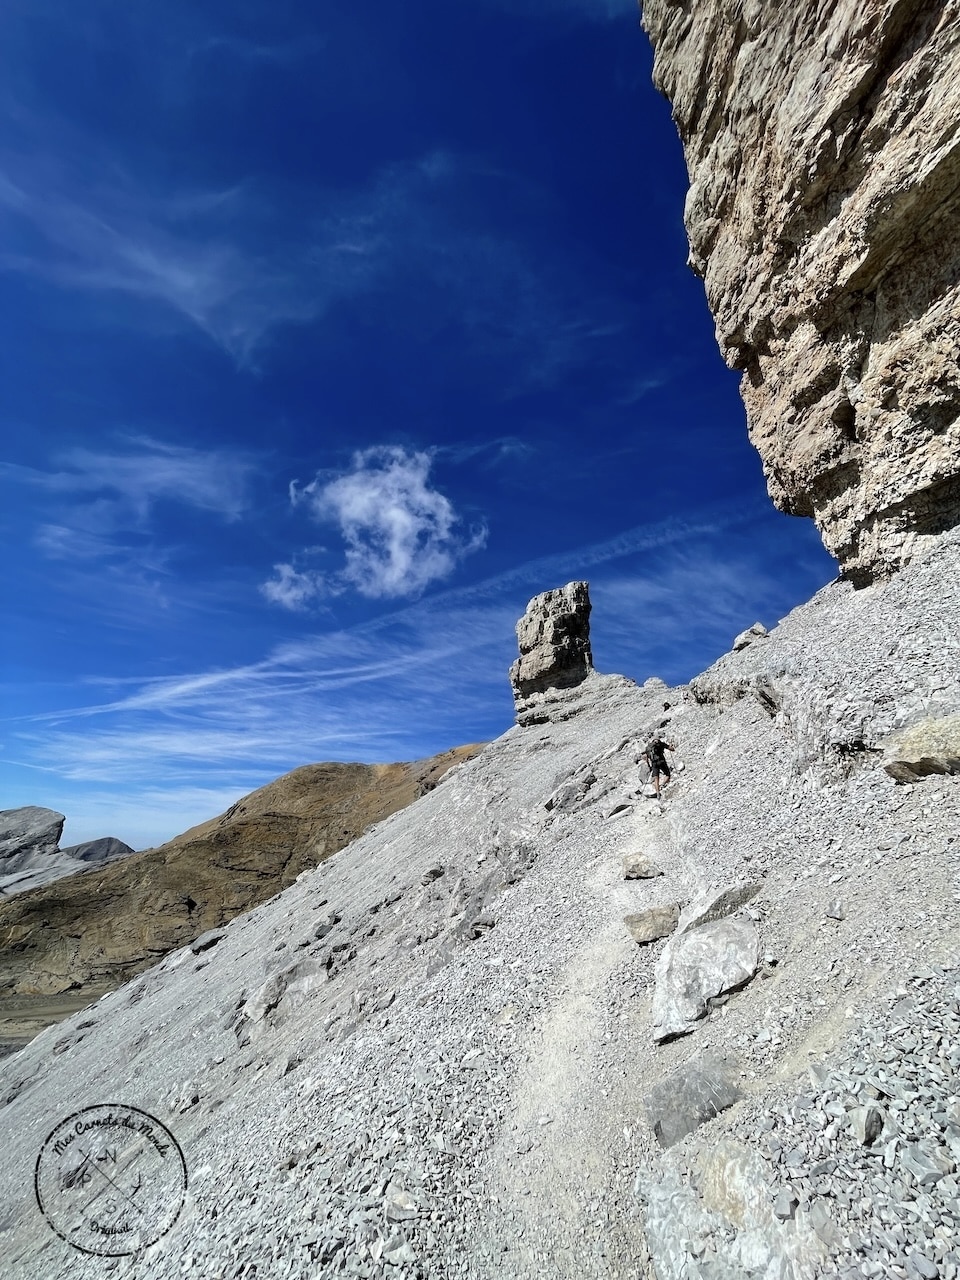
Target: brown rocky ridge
x,y
66,943
823,148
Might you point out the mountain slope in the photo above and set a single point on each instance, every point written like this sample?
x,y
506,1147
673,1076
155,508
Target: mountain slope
x,y
436,1055
66,943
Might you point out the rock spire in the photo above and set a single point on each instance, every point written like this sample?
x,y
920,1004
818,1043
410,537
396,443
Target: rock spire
x,y
554,640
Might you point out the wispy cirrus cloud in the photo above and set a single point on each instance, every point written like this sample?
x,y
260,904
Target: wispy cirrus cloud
x,y
101,498
416,245
400,534
142,471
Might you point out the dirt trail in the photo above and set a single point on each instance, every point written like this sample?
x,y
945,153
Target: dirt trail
x,y
567,1139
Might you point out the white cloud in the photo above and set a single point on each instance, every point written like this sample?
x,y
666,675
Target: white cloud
x,y
400,534
293,589
149,470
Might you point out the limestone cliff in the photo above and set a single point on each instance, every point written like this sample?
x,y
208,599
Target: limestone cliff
x,y
823,148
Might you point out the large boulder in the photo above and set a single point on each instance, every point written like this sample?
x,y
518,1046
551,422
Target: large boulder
x,y
824,217
554,640
711,953
28,836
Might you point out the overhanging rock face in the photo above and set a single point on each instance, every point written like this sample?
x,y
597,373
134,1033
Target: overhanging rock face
x,y
823,148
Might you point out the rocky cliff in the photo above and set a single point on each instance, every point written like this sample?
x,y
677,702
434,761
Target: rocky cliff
x,y
823,148
29,852
66,943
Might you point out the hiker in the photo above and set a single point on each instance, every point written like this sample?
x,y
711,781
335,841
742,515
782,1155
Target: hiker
x,y
657,761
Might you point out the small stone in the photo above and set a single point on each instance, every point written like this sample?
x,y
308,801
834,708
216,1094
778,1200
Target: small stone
x,y
918,1265
785,1205
399,1204
654,923
835,910
637,866
866,1123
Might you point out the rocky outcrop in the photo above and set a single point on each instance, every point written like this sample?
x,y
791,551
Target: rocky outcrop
x,y
823,148
29,856
86,934
28,835
554,640
929,746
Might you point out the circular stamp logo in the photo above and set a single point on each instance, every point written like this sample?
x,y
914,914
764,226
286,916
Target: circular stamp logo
x,y
110,1180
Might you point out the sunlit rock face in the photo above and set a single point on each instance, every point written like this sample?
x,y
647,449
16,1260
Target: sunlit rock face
x,y
823,148
554,641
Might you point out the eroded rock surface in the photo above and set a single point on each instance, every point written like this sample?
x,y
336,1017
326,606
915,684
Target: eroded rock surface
x,y
932,745
823,147
26,835
554,640
362,1068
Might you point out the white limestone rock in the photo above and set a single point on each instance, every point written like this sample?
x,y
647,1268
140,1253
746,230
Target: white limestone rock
x,y
757,632
711,953
554,640
928,747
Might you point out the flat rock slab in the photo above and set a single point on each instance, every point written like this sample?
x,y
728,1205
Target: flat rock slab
x,y
690,1096
654,923
699,964
637,866
717,903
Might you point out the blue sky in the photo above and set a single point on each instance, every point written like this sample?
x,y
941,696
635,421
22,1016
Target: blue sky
x,y
333,333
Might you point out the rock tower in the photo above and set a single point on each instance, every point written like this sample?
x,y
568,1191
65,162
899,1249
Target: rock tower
x,y
554,640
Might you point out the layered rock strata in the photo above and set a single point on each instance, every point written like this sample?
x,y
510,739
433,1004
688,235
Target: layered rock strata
x,y
29,852
554,640
823,148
